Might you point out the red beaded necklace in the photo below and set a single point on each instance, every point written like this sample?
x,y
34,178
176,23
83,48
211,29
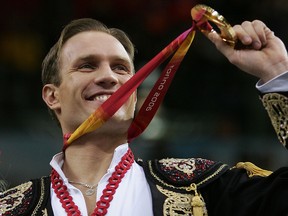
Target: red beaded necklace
x,y
107,195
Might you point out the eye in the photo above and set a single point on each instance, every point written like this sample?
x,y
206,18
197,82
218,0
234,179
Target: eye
x,y
86,67
121,69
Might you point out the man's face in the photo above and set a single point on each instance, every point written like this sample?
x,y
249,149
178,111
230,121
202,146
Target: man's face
x,y
93,65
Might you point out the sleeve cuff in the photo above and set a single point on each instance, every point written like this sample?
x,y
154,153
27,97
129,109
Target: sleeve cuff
x,y
277,84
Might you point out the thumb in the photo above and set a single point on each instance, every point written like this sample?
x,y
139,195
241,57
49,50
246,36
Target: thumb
x,y
222,46
214,37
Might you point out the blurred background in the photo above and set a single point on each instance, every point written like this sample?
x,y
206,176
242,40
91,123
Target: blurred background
x,y
212,110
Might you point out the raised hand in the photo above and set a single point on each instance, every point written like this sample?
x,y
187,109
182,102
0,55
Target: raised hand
x,y
265,55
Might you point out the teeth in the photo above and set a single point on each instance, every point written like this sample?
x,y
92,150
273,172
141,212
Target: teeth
x,y
101,97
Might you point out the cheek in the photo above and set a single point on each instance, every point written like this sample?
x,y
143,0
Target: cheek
x,y
125,78
67,94
72,84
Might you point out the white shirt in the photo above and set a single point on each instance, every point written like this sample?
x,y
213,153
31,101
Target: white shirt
x,y
132,197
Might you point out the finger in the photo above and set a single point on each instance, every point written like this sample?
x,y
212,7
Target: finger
x,y
259,28
250,30
242,35
268,33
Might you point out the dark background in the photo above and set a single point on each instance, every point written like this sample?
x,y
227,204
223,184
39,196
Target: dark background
x,y
212,110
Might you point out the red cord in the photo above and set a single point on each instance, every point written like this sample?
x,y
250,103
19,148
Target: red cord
x,y
107,195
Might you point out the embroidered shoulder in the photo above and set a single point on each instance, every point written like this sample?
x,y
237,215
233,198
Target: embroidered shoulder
x,y
183,172
15,201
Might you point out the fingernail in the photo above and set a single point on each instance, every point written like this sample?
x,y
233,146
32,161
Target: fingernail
x,y
256,45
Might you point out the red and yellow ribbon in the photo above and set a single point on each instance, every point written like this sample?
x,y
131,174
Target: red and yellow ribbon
x,y
201,15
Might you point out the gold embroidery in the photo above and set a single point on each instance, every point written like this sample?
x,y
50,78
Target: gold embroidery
x,y
178,203
185,188
40,199
44,212
16,197
184,165
277,108
213,175
181,203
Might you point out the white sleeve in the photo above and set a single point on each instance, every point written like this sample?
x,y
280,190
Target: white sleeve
x,y
277,84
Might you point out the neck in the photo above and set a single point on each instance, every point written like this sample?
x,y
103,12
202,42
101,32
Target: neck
x,y
88,158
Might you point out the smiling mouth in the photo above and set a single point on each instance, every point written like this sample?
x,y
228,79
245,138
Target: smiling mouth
x,y
100,98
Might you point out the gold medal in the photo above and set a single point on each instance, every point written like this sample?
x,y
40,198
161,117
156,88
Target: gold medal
x,y
203,15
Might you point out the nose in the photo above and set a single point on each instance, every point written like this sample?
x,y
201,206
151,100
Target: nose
x,y
106,77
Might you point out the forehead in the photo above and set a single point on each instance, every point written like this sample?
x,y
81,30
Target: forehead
x,y
92,43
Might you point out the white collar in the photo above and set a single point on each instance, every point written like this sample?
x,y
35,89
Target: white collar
x,y
58,161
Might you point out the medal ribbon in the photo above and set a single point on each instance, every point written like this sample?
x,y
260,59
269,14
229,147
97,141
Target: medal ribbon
x,y
179,46
158,92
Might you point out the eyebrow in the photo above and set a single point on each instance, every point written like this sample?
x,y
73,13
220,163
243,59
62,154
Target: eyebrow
x,y
92,57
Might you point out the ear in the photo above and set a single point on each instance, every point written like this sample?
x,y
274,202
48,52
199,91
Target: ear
x,y
50,96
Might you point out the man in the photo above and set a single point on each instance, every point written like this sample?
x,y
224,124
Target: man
x,y
87,65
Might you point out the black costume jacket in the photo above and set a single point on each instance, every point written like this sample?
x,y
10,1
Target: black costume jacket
x,y
176,183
